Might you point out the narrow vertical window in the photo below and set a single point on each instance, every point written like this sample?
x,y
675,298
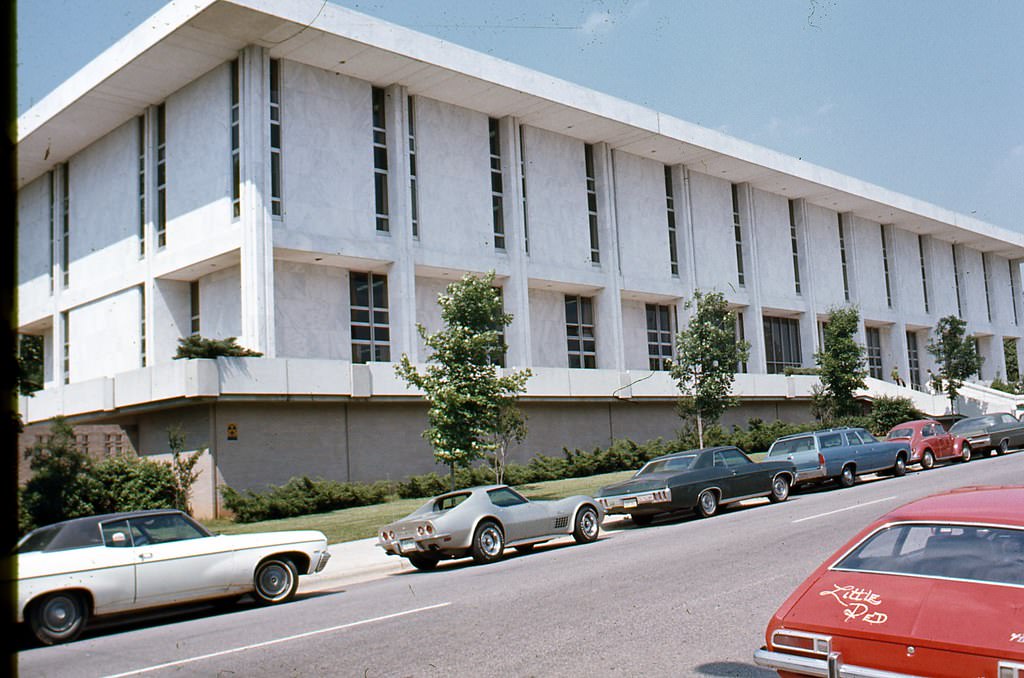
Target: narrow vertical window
x,y
380,162
781,344
595,245
914,361
1013,294
161,176
842,257
497,357
65,218
670,213
142,185
874,340
66,345
659,336
579,332
885,265
737,231
193,303
368,314
984,277
522,179
795,247
414,203
956,283
142,325
53,237
276,204
497,204
924,272
236,144
977,349
741,336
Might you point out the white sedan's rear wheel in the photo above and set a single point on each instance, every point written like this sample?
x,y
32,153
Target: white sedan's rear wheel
x,y
58,617
275,581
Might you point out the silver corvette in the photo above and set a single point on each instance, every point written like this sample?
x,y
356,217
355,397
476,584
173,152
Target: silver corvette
x,y
482,521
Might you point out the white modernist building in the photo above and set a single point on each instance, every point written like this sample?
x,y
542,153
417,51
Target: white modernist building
x,y
309,179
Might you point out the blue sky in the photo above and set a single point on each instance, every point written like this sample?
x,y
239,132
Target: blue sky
x,y
924,97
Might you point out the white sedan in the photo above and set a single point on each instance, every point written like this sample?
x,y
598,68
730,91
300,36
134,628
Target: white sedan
x,y
122,562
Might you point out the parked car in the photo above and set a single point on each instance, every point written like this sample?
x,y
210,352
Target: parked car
x,y
840,454
482,521
929,442
697,480
123,562
999,431
933,588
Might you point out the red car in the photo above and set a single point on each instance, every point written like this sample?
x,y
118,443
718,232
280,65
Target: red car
x,y
929,442
934,588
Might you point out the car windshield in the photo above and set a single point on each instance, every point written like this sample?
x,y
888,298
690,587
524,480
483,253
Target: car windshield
x,y
900,433
672,464
977,553
972,423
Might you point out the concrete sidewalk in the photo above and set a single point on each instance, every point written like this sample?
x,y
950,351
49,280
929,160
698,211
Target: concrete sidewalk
x,y
362,560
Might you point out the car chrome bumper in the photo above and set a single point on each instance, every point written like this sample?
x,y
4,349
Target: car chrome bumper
x,y
627,503
321,560
832,667
405,546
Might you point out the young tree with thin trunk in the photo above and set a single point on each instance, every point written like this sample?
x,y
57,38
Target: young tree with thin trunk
x,y
461,383
707,353
955,355
841,364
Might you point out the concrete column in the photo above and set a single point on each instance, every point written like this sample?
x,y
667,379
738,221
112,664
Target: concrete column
x,y
257,253
608,311
516,289
402,275
758,362
898,342
809,319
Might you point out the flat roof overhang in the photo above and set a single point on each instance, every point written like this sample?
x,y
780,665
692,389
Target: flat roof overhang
x,y
184,40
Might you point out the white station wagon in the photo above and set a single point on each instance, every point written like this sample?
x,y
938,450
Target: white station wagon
x,y
122,562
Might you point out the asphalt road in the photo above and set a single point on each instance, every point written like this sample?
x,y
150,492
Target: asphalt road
x,y
687,597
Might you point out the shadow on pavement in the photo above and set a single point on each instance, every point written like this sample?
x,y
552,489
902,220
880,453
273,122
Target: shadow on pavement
x,y
733,669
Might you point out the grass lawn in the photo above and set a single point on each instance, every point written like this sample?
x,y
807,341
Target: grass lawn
x,y
364,521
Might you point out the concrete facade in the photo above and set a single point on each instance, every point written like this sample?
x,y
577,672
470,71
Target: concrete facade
x,y
281,282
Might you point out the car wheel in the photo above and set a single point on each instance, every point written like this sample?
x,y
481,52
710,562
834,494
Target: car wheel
x,y
424,561
900,467
927,460
965,453
58,618
488,542
707,503
275,581
641,519
586,526
780,489
848,477
1004,446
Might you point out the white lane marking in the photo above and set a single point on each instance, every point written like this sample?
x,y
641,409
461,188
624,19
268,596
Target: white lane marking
x,y
847,508
274,642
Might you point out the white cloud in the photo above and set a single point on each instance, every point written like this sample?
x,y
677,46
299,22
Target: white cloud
x,y
825,108
598,23
1017,151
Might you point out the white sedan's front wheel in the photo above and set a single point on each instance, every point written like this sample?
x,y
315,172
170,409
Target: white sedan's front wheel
x,y
275,581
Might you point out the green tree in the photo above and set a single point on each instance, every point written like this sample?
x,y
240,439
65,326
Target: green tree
x,y
62,485
955,355
30,364
182,468
841,365
1010,352
195,346
461,384
707,353
511,428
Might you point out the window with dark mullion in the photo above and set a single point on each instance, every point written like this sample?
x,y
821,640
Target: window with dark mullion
x,y
924,271
842,257
161,176
497,356
65,215
741,336
193,298
142,184
794,245
659,336
497,191
414,204
53,225
1013,294
236,167
595,245
142,325
956,281
874,351
781,344
737,230
380,161
579,331
914,360
66,345
522,177
368,315
984,277
885,265
276,199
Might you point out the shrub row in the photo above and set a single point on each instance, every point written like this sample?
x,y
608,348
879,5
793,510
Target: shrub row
x,y
300,496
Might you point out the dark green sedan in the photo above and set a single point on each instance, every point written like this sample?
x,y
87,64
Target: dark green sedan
x,y
697,480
